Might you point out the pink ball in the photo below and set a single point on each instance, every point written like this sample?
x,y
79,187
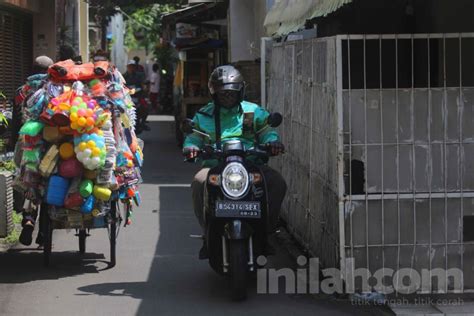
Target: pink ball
x,y
81,112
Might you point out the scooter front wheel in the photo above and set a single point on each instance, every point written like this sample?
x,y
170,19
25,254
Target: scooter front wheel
x,y
238,268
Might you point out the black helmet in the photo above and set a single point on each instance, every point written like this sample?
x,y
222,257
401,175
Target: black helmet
x,y
226,78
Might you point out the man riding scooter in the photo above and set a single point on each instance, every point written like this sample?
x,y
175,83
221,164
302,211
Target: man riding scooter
x,y
228,117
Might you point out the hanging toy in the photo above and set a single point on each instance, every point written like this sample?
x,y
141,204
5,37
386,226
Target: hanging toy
x,y
90,150
83,115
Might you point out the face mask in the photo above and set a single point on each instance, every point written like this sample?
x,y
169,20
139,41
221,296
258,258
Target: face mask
x,y
228,98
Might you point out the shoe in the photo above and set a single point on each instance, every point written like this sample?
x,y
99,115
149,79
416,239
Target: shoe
x,y
26,236
203,253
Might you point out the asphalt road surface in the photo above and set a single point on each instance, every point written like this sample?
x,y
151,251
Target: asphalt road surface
x,y
157,271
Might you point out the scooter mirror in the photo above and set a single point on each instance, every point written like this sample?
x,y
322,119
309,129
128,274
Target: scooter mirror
x,y
275,119
187,126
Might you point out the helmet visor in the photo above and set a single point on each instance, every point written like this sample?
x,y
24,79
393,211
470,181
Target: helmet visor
x,y
228,86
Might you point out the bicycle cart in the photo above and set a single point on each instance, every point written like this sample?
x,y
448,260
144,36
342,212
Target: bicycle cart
x,y
111,223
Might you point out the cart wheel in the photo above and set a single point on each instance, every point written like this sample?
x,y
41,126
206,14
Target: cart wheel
x,y
82,240
113,234
48,240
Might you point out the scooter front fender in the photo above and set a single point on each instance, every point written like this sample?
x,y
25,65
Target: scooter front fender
x,y
237,229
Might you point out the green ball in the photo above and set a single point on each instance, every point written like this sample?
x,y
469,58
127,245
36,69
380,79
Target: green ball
x,y
74,109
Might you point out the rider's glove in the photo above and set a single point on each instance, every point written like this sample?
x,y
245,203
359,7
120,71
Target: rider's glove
x,y
275,148
190,152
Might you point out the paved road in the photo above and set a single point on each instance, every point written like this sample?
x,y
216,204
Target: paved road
x,y
157,271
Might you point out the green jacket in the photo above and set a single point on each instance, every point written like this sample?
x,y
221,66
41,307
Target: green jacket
x,y
248,125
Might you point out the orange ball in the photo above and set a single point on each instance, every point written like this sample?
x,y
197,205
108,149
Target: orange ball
x,y
90,122
89,113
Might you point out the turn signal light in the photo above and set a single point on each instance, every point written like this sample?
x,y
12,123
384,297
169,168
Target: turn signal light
x,y
215,179
256,177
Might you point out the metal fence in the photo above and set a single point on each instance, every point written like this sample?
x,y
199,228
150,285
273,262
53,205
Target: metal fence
x,y
380,137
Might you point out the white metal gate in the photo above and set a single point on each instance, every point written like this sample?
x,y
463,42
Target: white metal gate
x,y
380,137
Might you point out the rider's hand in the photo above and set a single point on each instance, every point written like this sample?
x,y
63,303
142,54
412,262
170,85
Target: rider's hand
x,y
275,148
190,152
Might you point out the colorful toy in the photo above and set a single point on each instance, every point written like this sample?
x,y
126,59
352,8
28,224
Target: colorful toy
x,y
85,188
88,205
66,151
57,190
90,150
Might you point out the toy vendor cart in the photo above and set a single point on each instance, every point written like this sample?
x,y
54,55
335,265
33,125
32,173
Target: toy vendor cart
x,y
80,156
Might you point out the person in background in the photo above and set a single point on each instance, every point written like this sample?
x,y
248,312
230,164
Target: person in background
x,y
155,88
39,73
139,68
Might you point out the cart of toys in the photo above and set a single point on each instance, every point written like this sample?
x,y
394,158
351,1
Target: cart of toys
x,y
78,156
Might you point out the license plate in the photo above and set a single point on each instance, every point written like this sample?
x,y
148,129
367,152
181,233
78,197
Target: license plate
x,y
238,209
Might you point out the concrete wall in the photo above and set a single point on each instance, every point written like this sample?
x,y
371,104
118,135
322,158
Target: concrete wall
x,y
246,28
84,30
44,30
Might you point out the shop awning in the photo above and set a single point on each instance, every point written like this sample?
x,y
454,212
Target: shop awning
x,y
287,16
188,13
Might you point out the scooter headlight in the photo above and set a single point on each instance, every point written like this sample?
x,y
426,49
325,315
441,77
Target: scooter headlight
x,y
235,180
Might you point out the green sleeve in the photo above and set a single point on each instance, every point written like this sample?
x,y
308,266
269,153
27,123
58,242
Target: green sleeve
x,y
194,140
268,134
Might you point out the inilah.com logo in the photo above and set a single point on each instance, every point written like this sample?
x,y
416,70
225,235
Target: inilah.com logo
x,y
307,279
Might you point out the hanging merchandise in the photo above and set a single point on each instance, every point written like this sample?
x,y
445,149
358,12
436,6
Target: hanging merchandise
x,y
79,153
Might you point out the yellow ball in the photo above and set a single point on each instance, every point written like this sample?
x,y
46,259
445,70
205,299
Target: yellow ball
x,y
74,125
96,152
81,121
82,146
73,117
91,144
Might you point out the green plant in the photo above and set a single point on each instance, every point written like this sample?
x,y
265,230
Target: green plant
x,y
8,165
144,26
17,218
12,238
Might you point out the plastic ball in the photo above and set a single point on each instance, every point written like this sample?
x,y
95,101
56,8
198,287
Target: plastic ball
x,y
74,125
89,112
81,112
96,161
82,146
90,122
96,152
87,152
81,121
74,109
66,151
83,105
73,117
91,144
101,133
86,161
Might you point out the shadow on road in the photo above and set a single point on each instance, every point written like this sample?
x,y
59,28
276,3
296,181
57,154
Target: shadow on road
x,y
25,265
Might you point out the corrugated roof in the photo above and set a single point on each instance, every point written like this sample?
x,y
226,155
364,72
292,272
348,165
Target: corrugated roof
x,y
287,16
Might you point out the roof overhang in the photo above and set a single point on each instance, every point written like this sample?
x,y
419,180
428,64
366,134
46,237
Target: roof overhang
x,y
288,16
195,13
